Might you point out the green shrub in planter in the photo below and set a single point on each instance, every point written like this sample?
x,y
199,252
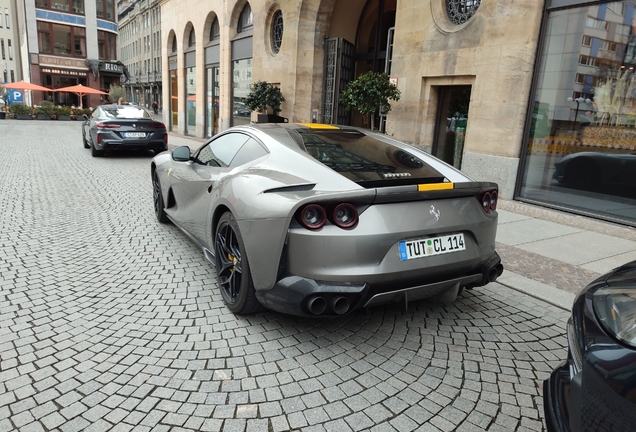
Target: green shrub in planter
x,y
262,96
62,112
45,110
19,109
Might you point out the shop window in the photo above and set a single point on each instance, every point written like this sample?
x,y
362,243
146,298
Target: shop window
x,y
578,153
277,31
245,19
61,39
72,6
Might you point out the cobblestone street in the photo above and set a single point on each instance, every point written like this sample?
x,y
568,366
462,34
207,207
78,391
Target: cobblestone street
x,y
112,321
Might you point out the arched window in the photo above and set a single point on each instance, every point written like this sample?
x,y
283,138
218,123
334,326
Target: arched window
x,y
245,20
191,39
277,31
215,30
174,44
460,11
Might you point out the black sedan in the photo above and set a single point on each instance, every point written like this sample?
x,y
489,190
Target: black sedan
x,y
123,127
595,388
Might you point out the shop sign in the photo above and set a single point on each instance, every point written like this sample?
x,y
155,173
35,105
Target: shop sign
x,y
46,60
111,67
62,72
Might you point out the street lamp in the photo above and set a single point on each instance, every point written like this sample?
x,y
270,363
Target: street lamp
x,y
578,100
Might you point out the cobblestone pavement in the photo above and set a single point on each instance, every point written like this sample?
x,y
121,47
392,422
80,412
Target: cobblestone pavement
x,y
111,321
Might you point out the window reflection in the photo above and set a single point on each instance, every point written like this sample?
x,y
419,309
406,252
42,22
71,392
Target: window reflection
x,y
581,150
241,82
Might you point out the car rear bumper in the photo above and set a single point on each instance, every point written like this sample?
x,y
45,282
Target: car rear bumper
x,y
133,145
302,296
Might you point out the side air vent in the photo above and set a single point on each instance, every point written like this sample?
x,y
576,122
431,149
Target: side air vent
x,y
294,188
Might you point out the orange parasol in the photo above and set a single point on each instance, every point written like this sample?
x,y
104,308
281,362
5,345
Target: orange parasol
x,y
23,85
80,90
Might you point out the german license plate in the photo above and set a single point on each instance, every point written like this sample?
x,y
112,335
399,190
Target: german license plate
x,y
134,135
421,248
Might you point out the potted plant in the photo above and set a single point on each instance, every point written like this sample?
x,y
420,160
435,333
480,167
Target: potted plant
x,y
264,96
62,112
45,110
20,111
3,110
370,94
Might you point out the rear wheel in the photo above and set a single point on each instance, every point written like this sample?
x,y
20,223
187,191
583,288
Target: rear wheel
x,y
84,141
232,268
160,211
95,152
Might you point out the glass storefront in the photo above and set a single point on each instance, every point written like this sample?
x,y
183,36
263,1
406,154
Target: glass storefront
x,y
174,99
242,80
191,101
212,93
581,153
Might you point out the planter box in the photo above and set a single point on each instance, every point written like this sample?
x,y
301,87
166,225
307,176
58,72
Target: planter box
x,y
271,118
3,115
64,117
23,117
44,117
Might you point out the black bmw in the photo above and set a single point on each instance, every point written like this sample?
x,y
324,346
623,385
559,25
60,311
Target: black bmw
x,y
595,388
123,127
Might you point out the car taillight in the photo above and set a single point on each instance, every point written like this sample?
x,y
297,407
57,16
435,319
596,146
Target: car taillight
x,y
165,138
99,138
344,215
489,201
157,126
100,125
312,216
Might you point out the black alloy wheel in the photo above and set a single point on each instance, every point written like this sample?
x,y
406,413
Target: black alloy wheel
x,y
232,268
84,141
160,211
95,152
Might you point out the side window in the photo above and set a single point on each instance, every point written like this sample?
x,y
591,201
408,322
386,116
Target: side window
x,y
222,150
250,151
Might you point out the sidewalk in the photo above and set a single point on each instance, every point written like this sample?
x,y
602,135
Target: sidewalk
x,y
547,254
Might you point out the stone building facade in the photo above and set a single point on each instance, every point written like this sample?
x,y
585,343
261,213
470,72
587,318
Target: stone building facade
x,y
467,71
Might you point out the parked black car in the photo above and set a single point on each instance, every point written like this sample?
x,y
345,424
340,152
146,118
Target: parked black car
x,y
595,388
123,127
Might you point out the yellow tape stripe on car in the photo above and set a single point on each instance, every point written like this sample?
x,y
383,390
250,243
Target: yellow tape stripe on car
x,y
318,126
434,186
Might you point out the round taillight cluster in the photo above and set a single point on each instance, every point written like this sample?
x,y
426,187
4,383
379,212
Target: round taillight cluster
x,y
314,216
489,201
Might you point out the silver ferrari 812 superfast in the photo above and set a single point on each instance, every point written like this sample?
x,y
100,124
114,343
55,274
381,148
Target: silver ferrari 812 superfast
x,y
320,220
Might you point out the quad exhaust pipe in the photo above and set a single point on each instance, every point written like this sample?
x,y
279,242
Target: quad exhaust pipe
x,y
340,305
317,305
495,272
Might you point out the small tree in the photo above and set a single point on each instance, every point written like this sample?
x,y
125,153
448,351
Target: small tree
x,y
115,92
263,95
370,93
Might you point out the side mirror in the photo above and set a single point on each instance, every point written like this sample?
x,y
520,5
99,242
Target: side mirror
x,y
181,154
84,116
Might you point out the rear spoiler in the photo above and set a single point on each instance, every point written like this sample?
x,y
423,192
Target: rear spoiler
x,y
429,191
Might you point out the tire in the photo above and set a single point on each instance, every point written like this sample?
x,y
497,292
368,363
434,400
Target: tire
x,y
95,152
157,198
232,267
85,142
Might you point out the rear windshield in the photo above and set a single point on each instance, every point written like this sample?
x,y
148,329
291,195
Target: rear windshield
x,y
367,160
126,112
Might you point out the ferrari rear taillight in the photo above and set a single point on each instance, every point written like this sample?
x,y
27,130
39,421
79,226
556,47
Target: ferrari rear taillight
x,y
344,215
312,216
489,201
100,125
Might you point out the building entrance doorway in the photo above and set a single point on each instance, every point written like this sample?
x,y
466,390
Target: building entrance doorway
x,y
451,122
370,24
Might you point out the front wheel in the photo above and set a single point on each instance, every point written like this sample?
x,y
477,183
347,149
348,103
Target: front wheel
x,y
232,268
160,211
